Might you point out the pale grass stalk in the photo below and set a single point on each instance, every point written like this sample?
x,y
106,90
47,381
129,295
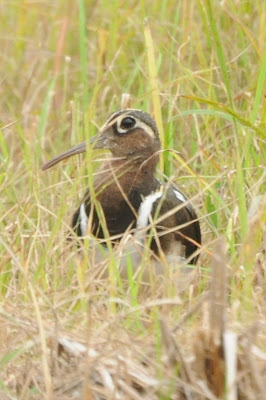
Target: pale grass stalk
x,y
230,352
154,85
45,351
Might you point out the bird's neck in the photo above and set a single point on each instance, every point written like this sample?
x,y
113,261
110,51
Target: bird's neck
x,y
128,174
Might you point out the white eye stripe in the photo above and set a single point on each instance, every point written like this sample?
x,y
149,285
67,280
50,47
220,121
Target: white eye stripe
x,y
83,220
139,124
180,196
119,114
117,117
145,127
145,209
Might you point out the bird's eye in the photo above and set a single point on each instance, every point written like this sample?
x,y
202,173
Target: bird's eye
x,y
127,123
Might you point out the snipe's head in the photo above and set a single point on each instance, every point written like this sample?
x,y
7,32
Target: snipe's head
x,y
129,134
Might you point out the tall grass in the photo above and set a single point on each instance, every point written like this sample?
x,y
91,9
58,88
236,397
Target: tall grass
x,y
199,68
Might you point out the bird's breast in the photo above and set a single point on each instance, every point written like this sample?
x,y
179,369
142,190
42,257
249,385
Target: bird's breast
x,y
119,208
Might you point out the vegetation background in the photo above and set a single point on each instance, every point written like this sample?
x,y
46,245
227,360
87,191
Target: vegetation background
x,y
199,68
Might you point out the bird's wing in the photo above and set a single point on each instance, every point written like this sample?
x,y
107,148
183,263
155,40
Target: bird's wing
x,y
187,216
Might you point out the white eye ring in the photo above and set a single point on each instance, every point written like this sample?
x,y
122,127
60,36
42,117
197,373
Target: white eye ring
x,y
125,124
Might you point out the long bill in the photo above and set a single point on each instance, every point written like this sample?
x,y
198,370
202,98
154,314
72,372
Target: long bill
x,y
80,148
98,141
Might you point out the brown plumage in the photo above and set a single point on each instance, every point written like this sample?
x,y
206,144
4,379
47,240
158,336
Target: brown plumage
x,y
128,191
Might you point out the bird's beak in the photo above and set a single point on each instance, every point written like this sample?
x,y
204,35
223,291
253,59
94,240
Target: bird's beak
x,y
99,141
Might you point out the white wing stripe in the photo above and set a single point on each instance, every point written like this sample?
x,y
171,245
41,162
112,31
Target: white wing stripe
x,y
83,220
180,196
145,209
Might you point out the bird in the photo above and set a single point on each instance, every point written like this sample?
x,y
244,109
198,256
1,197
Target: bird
x,y
129,194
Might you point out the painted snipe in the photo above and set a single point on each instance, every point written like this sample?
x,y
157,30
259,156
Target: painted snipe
x,y
128,191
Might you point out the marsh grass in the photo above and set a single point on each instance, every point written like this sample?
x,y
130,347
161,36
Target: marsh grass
x,y
199,68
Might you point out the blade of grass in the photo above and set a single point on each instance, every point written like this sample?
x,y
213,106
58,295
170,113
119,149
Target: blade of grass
x,y
154,86
239,182
83,53
219,50
227,113
44,119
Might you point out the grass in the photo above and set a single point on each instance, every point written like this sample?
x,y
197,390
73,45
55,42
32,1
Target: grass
x,y
199,68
